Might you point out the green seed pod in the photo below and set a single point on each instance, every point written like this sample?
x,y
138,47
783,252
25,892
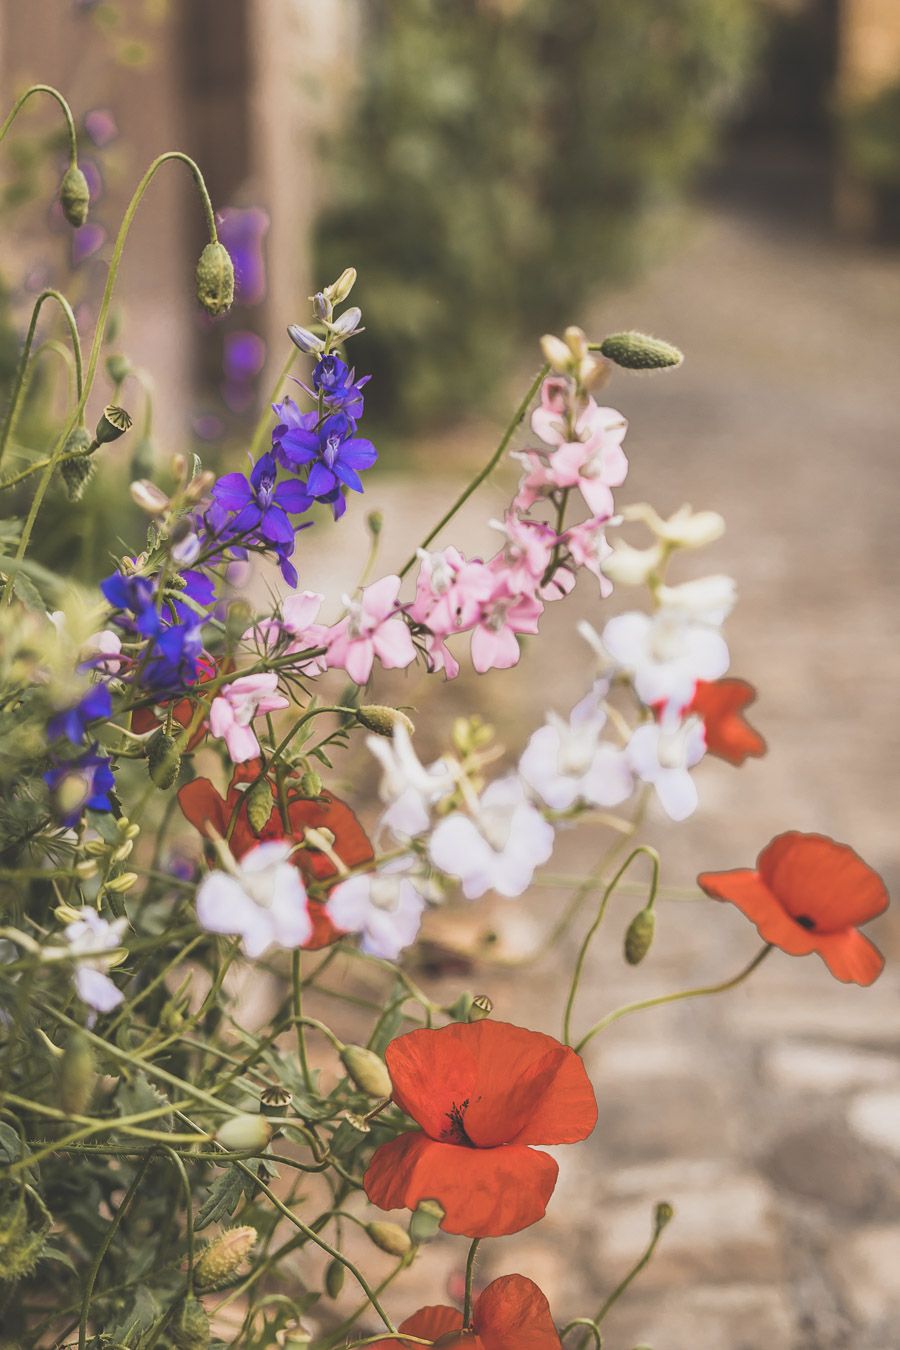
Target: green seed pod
x,y
367,1070
222,1258
482,1007
260,803
163,759
334,1278
310,784
77,1074
190,1329
113,423
426,1221
275,1101
382,720
638,351
74,196
215,279
639,936
390,1238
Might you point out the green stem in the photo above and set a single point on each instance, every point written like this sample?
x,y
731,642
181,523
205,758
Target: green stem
x,y
470,1279
67,113
12,409
488,469
632,1275
652,854
104,1248
262,425
188,1211
583,1322
701,992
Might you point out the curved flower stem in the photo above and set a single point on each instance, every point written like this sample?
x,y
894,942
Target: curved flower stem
x,y
583,1322
320,1242
490,466
104,1248
652,854
297,1010
657,1002
470,1277
100,329
12,408
188,1211
66,110
644,1260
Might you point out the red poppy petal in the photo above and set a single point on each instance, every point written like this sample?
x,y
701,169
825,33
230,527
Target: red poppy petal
x,y
824,881
484,1192
324,932
851,957
430,1323
746,890
567,1112
203,806
513,1314
432,1072
351,843
728,735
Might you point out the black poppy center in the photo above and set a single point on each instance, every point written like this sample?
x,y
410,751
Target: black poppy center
x,y
805,921
456,1130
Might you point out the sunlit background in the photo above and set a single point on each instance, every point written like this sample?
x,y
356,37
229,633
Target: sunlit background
x,y
726,174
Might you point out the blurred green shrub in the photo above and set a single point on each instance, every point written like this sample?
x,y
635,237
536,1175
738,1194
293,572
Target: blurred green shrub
x,y
870,134
501,154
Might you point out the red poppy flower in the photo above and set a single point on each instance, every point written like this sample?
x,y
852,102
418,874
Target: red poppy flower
x,y
203,805
145,719
720,703
481,1092
511,1314
809,894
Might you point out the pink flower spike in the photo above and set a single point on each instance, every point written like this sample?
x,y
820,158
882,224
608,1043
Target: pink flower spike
x,y
494,644
233,710
372,628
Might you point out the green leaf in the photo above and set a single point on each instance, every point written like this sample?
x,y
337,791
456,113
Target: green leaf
x,y
26,591
137,1094
223,1197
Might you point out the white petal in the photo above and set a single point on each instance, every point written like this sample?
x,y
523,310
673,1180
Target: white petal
x,y
677,793
458,848
96,989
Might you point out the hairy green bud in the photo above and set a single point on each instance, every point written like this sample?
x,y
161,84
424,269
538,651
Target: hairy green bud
x,y
76,473
222,1258
390,1238
190,1329
259,805
638,351
163,759
118,367
334,1278
639,936
367,1070
383,720
74,196
215,279
662,1215
310,784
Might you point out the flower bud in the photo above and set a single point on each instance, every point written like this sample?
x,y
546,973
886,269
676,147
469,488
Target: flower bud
x,y
240,1133
163,759
275,1101
338,291
122,883
305,340
426,1221
347,325
322,305
77,472
375,521
86,870
295,1336
334,1278
149,497
556,354
367,1070
221,1259
382,720
390,1238
118,367
639,936
310,784
114,423
237,620
77,1075
482,1007
260,803
638,351
576,342
662,1215
215,279
190,1329
74,196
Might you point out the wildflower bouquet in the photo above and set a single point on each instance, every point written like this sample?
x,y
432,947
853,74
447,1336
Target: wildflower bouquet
x,y
173,818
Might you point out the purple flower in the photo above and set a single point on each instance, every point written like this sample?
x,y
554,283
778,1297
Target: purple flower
x,y
134,593
338,385
80,783
261,508
174,657
72,723
336,455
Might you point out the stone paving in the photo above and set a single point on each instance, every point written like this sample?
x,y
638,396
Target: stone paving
x,y
770,1117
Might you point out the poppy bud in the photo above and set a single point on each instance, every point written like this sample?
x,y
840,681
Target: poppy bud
x,y
638,351
426,1221
482,1007
149,497
259,805
221,1259
215,279
639,936
338,291
390,1238
77,472
275,1101
334,1278
113,424
74,196
243,1132
310,784
190,1329
367,1070
163,759
305,340
382,720
77,1075
662,1215
118,367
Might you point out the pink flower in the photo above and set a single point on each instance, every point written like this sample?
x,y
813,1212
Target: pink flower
x,y
593,461
297,622
526,554
372,628
588,547
450,592
234,709
494,642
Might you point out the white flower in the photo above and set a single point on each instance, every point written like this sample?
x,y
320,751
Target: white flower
x,y
665,653
684,529
263,901
94,944
566,761
629,566
663,758
407,786
385,907
707,600
500,848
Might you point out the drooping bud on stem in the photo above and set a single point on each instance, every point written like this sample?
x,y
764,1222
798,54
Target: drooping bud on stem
x,y
74,196
383,720
639,351
334,1278
190,1330
662,1215
215,279
390,1238
639,936
163,759
367,1070
260,804
78,471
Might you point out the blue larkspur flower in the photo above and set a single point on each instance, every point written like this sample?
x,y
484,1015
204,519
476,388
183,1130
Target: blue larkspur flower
x,y
81,783
72,723
338,385
260,506
335,454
